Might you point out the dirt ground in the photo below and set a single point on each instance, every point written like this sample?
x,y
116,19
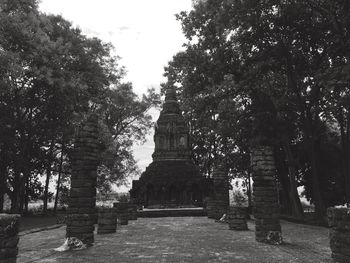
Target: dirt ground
x,y
181,239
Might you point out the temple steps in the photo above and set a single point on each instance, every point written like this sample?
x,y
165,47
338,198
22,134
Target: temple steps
x,y
172,212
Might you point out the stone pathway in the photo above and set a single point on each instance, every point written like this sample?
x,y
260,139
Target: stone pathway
x,y
181,239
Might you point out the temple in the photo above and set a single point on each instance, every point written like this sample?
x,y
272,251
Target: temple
x,y
172,179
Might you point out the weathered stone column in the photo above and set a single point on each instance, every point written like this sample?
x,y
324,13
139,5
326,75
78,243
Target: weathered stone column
x,y
8,238
82,199
221,200
339,234
265,210
122,212
132,211
237,218
211,208
107,220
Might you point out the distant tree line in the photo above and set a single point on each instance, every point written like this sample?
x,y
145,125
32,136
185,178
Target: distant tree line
x,y
51,77
272,69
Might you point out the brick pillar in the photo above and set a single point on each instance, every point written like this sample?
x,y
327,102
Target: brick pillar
x,y
265,202
8,237
82,199
107,220
221,200
211,208
122,212
339,234
132,211
237,218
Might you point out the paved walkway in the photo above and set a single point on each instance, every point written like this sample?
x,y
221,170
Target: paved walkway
x,y
181,239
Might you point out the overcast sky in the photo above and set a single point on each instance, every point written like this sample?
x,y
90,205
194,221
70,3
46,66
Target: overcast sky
x,y
145,35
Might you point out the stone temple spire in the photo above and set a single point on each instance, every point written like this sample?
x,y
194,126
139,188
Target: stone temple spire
x,y
172,178
170,104
170,94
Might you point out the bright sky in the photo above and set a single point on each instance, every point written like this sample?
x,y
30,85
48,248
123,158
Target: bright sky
x,y
145,35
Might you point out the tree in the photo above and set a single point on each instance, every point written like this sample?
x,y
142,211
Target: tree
x,y
336,78
125,120
271,60
51,76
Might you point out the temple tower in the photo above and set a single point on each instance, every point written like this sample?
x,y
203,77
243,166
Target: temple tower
x,y
171,179
171,136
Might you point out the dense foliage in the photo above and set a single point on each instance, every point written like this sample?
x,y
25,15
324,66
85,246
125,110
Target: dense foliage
x,y
51,77
270,72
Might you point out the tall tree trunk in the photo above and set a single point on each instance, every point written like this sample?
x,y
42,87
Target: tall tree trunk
x,y
59,179
22,194
46,190
347,156
296,207
307,126
346,174
26,197
282,175
3,174
249,189
23,188
320,208
3,179
48,176
283,178
345,151
15,196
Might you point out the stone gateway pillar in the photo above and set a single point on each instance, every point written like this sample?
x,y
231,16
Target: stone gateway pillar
x,y
221,199
265,202
107,220
8,238
339,234
82,198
